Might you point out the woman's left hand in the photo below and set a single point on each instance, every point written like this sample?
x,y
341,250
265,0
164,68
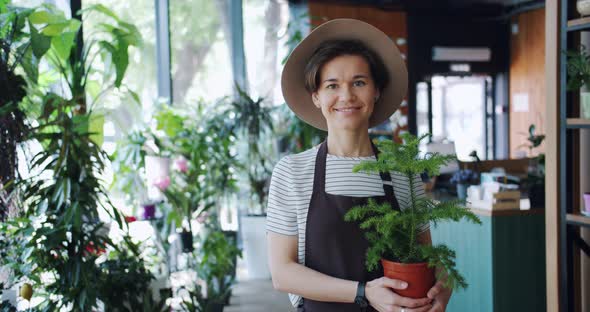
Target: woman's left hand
x,y
440,296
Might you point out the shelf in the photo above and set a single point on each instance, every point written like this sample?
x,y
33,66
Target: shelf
x,y
576,123
577,219
578,24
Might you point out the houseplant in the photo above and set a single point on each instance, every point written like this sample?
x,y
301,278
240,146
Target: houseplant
x,y
534,183
578,77
63,235
392,234
20,51
214,266
206,145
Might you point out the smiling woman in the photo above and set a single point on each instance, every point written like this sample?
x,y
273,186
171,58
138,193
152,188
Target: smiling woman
x,y
345,77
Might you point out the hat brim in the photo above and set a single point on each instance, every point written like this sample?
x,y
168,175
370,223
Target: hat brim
x,y
293,76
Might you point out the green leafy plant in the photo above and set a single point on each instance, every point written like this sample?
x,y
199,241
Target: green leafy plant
x,y
64,236
578,68
393,235
254,122
215,266
19,49
126,282
206,145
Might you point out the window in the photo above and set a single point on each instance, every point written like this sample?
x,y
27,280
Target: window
x,y
200,50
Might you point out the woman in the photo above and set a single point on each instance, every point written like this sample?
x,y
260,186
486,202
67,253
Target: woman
x,y
345,77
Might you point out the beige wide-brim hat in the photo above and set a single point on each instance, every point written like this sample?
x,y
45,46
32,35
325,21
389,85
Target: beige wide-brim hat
x,y
293,78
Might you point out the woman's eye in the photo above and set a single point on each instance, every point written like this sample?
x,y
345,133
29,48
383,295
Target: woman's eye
x,y
359,83
331,86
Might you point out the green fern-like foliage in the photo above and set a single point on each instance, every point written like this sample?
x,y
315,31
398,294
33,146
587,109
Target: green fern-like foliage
x,y
392,234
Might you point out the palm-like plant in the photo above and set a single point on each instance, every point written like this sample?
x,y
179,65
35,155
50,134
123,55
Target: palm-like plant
x,y
392,234
64,200
253,120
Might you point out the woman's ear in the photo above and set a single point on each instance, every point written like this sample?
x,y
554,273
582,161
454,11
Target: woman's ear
x,y
316,99
377,95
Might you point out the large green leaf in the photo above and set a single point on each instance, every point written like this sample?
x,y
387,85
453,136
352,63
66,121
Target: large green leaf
x,y
63,44
55,29
45,17
39,42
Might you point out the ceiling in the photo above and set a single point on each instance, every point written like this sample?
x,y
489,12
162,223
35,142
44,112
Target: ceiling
x,y
481,8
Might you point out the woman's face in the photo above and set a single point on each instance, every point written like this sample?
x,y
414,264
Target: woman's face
x,y
346,93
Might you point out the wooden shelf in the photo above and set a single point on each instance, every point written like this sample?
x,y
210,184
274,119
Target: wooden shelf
x,y
578,24
578,219
574,123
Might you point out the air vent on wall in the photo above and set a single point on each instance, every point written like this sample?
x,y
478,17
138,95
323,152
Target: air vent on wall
x,y
461,54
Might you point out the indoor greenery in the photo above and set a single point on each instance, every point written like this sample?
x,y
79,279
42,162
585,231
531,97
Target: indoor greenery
x,y
63,235
253,121
20,51
201,137
578,68
392,234
215,266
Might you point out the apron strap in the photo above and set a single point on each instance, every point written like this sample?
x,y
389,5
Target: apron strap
x,y
320,175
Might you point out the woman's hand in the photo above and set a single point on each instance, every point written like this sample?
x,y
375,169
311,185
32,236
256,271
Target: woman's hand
x,y
382,298
440,296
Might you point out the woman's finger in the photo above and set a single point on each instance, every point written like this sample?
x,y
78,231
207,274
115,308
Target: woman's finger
x,y
435,290
394,283
410,302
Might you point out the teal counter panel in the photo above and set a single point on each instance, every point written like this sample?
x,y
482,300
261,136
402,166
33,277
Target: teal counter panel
x,y
502,260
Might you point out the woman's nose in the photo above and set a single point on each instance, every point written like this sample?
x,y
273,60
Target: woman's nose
x,y
347,94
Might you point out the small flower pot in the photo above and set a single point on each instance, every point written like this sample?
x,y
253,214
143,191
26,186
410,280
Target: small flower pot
x,y
537,196
186,239
586,210
216,307
149,211
419,276
462,191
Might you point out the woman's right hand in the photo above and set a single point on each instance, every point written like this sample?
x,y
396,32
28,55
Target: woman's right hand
x,y
382,298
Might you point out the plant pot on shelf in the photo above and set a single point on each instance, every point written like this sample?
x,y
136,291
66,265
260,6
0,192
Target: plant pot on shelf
x,y
537,196
586,210
149,211
419,276
585,101
186,240
216,307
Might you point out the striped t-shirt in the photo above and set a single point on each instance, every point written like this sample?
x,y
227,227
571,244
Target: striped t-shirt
x,y
291,187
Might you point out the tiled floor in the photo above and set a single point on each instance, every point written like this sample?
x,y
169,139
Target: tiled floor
x,y
258,296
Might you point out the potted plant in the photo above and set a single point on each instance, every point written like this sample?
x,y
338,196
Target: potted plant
x,y
463,178
20,50
62,229
534,183
214,266
578,77
195,187
392,234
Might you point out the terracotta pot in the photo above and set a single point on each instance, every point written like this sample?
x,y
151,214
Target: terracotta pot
x,y
419,276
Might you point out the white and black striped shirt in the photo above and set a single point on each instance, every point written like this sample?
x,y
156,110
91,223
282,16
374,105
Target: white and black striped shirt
x,y
291,187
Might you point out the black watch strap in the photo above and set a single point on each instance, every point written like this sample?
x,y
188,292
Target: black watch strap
x,y
361,299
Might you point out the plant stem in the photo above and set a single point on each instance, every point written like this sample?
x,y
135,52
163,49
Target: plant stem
x,y
412,209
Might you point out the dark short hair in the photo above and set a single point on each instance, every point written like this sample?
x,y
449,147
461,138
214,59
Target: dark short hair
x,y
331,49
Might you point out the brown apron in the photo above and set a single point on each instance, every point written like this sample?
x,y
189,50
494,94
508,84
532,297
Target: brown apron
x,y
333,246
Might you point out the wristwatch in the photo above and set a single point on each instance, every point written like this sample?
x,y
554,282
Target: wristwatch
x,y
361,299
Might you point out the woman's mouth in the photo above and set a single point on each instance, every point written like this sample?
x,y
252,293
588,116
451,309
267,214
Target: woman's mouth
x,y
347,109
